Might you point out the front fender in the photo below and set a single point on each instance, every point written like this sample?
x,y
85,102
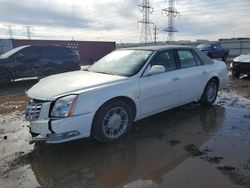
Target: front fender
x,y
90,101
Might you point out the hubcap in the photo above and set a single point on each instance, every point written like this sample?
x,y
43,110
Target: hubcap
x,y
115,122
211,92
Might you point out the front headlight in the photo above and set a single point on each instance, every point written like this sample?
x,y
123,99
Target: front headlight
x,y
64,106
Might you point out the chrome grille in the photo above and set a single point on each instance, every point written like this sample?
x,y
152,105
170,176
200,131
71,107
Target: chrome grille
x,y
33,110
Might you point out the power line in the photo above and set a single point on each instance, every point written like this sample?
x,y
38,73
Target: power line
x,y
28,28
171,13
155,33
146,9
9,26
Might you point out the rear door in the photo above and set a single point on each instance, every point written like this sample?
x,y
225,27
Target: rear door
x,y
193,75
160,91
51,60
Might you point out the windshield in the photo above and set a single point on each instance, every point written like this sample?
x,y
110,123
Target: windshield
x,y
122,62
203,46
13,51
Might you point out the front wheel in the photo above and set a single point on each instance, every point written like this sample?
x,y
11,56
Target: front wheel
x,y
112,121
210,93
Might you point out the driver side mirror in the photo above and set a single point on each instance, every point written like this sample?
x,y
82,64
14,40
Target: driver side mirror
x,y
157,69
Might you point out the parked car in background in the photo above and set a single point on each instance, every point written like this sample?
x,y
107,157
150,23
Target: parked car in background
x,y
36,61
124,86
241,65
214,50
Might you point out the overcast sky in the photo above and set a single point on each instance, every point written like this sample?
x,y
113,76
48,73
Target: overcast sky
x,y
116,20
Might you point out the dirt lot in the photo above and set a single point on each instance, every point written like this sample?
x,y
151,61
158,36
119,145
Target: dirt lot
x,y
189,147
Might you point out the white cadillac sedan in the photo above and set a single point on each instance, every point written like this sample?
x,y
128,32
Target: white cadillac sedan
x,y
124,86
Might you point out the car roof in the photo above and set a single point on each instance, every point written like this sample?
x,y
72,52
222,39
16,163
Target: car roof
x,y
204,58
160,48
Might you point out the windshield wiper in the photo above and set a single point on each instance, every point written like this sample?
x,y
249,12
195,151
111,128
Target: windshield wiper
x,y
103,72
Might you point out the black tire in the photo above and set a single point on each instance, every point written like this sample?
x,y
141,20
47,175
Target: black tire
x,y
113,116
210,93
235,74
5,78
225,57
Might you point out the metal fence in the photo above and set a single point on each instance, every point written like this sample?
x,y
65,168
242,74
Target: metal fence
x,y
236,47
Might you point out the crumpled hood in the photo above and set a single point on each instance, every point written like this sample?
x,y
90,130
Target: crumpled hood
x,y
57,85
243,59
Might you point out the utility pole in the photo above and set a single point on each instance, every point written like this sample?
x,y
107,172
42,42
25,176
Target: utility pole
x,y
28,31
171,13
155,33
146,10
9,26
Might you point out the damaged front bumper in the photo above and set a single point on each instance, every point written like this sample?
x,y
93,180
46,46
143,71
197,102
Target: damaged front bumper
x,y
54,138
61,130
56,130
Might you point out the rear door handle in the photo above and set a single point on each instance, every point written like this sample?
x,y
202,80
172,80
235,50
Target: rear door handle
x,y
204,72
175,79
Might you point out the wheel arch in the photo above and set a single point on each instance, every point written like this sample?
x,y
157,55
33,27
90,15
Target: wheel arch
x,y
125,99
215,78
211,78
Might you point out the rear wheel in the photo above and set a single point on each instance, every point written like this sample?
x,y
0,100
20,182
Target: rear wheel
x,y
112,121
210,93
5,78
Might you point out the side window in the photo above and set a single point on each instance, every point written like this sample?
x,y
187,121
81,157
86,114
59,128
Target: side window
x,y
29,52
165,59
186,58
49,51
52,51
197,59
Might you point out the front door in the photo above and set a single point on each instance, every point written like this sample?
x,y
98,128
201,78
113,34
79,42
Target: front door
x,y
27,63
160,91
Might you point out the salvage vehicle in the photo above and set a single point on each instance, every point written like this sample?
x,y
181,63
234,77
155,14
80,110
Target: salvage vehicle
x,y
36,61
214,50
122,87
241,65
